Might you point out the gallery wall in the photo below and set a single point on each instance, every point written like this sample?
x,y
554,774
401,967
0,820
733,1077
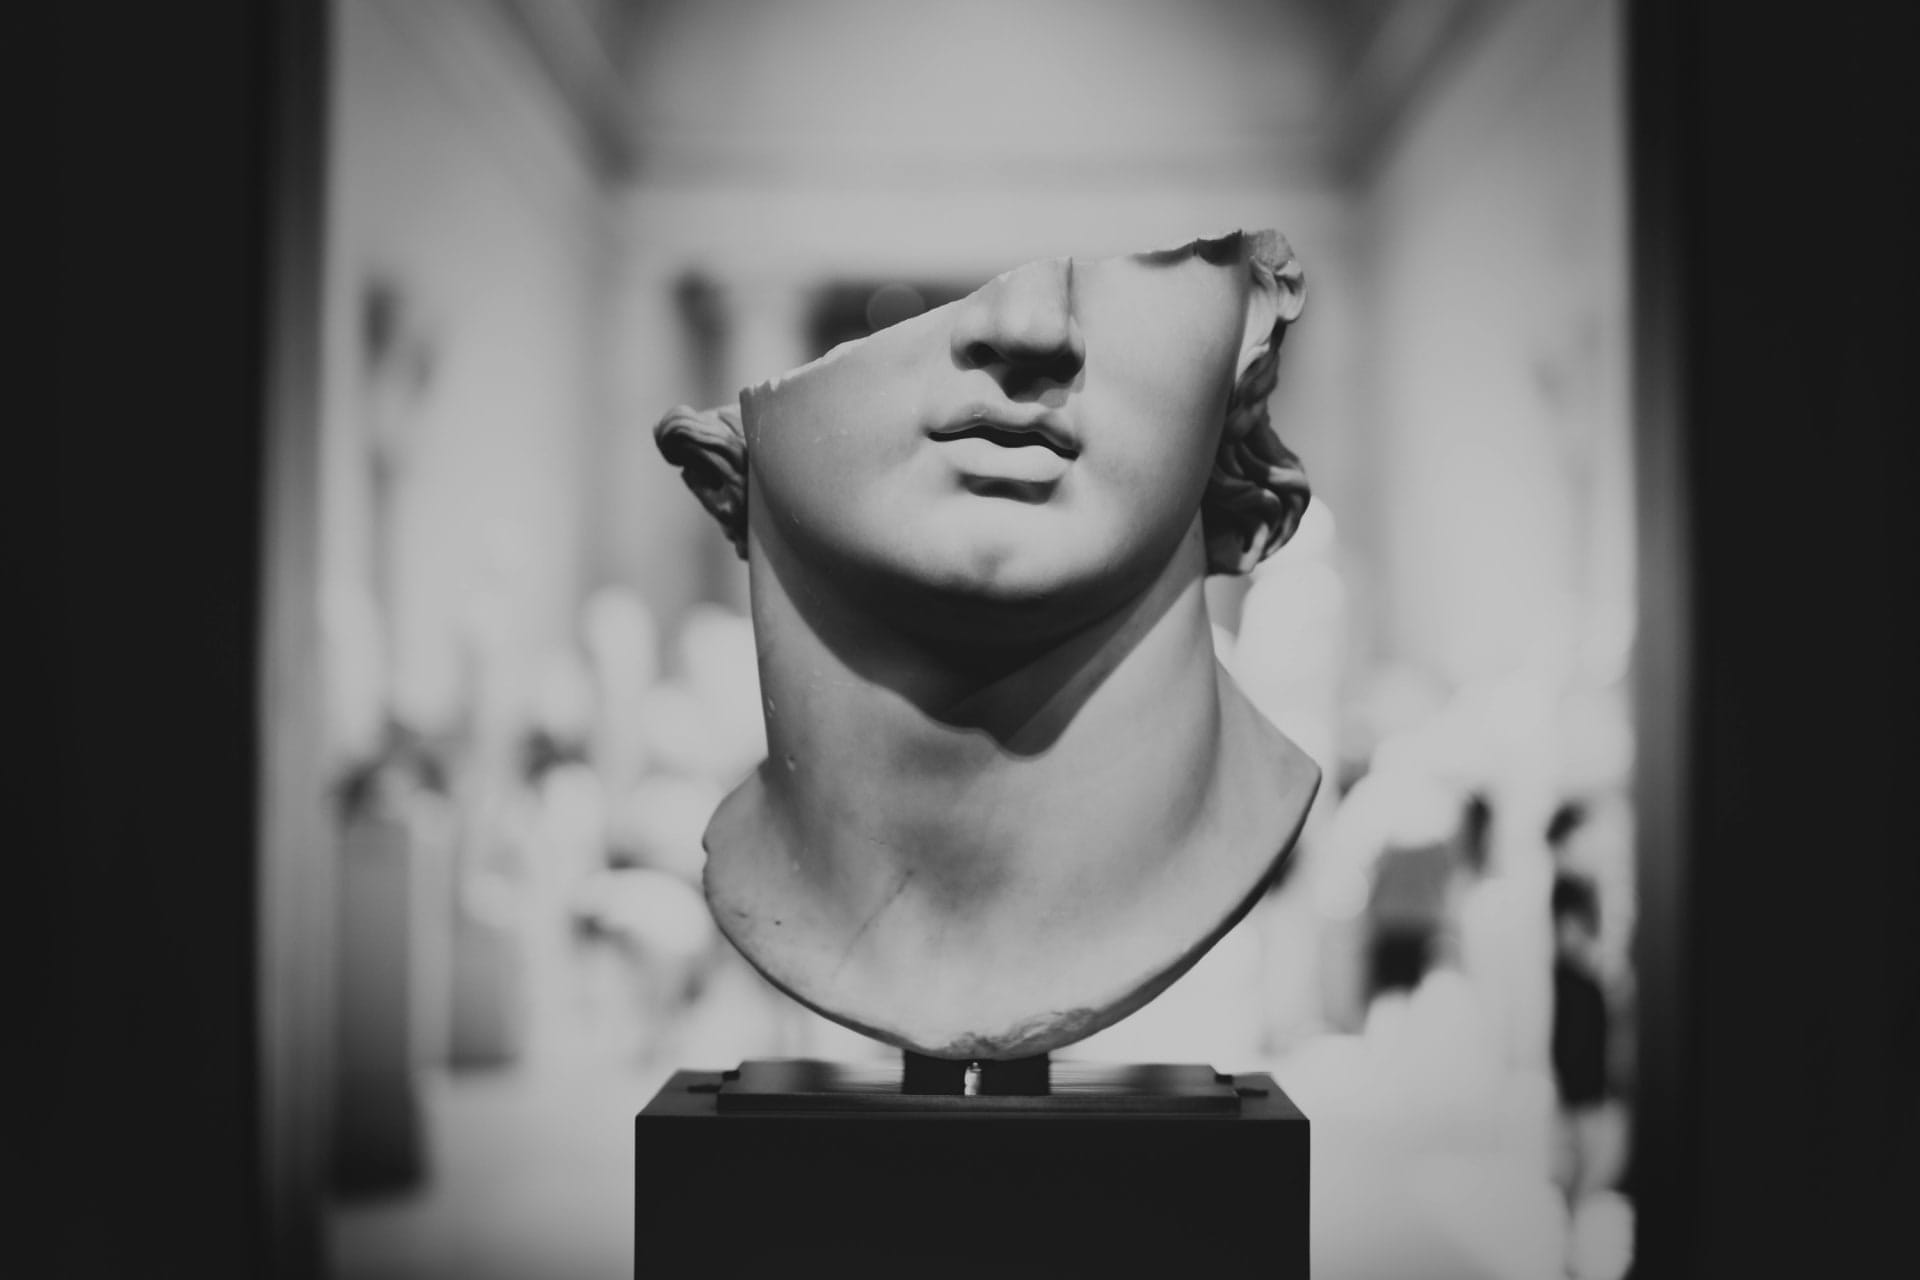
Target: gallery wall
x,y
1497,433
466,212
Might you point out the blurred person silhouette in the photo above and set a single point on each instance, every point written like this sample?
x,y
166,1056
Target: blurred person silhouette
x,y
1568,817
1476,833
1583,1156
1408,887
1412,903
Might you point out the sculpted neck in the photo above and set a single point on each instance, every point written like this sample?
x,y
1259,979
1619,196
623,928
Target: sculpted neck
x,y
994,861
965,772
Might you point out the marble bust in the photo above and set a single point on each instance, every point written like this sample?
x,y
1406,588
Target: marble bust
x,y
1010,794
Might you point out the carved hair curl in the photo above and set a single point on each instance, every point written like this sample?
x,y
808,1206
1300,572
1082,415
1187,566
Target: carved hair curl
x,y
1258,491
1253,500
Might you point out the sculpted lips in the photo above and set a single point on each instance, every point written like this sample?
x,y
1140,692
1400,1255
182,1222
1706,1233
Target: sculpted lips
x,y
1008,451
1012,427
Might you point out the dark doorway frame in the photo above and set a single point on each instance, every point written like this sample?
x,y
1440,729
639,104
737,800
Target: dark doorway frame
x,y
170,1132
1776,1114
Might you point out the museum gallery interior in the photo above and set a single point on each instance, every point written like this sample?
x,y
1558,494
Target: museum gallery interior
x,y
1062,637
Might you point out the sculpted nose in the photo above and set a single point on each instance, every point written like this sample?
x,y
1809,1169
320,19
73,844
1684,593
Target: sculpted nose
x,y
1021,328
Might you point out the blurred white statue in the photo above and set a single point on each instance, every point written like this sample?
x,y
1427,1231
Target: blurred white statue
x,y
623,653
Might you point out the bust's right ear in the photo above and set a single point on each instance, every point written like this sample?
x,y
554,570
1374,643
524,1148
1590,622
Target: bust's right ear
x,y
710,448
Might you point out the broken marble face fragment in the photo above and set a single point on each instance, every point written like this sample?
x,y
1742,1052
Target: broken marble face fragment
x,y
1010,795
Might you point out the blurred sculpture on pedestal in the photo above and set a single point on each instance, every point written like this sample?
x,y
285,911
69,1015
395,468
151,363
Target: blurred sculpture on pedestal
x,y
1010,794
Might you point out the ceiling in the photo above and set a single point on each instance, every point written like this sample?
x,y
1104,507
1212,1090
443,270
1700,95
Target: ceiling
x,y
694,91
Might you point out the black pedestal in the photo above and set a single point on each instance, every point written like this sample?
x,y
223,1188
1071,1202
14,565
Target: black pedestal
x,y
821,1168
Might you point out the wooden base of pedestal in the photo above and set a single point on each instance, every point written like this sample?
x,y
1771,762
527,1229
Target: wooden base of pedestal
x,y
1181,1172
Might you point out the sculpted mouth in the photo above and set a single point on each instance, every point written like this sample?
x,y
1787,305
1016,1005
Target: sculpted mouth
x,y
1013,431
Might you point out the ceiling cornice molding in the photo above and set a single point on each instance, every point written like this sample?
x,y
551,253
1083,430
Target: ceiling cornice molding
x,y
575,56
693,160
1411,45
